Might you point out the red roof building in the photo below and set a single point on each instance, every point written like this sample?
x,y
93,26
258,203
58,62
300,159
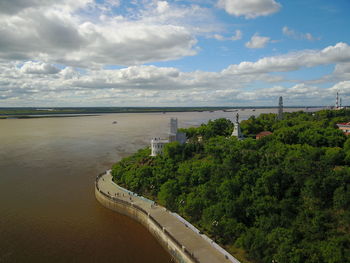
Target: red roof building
x,y
262,134
344,127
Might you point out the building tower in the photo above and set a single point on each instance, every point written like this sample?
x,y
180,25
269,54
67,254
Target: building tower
x,y
337,101
340,103
237,129
173,130
280,109
158,144
173,125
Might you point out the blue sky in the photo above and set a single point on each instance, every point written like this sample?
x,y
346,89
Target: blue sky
x,y
173,53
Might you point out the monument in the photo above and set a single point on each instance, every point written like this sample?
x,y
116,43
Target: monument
x,y
237,129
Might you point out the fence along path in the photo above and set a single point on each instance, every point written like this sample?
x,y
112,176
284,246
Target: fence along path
x,y
188,238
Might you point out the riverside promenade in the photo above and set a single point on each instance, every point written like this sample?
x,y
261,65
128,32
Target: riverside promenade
x,y
196,245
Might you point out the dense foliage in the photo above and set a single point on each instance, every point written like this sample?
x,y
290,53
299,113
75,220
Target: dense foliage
x,y
285,197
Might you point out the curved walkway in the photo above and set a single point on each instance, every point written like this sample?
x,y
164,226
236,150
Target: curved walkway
x,y
199,246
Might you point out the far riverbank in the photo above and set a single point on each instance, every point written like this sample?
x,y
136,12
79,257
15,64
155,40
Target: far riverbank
x,y
44,116
26,113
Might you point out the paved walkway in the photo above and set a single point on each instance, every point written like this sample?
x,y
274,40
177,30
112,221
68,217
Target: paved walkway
x,y
202,249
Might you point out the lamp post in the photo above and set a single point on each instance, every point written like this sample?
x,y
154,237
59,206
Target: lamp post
x,y
215,224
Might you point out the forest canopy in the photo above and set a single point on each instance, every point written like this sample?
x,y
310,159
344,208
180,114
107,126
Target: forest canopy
x,y
285,197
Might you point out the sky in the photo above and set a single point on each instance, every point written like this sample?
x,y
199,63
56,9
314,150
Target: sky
x,y
174,53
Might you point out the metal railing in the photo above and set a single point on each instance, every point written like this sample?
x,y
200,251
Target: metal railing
x,y
128,204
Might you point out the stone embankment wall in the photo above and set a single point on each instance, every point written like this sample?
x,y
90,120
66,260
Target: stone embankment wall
x,y
179,252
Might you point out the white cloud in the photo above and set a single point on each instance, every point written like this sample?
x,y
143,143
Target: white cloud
x,y
309,37
58,33
114,3
237,36
162,6
196,19
343,87
39,68
11,7
257,42
250,8
107,5
303,90
136,77
342,69
112,43
172,86
339,53
32,83
340,73
297,35
14,6
297,95
69,73
219,37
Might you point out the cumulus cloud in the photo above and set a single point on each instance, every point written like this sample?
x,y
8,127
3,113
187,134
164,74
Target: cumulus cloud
x,y
130,85
250,8
339,53
69,73
162,6
11,7
341,72
297,35
39,68
237,36
219,37
137,77
343,86
297,95
55,32
196,19
257,42
14,6
342,69
41,83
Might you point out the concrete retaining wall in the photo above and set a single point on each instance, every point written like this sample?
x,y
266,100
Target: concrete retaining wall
x,y
179,253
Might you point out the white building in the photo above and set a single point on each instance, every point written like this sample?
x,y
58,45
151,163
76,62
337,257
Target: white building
x,y
157,144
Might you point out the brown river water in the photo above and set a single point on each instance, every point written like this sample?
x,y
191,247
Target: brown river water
x,y
48,211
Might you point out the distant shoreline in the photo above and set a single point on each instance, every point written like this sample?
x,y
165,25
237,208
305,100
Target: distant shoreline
x,y
29,113
15,117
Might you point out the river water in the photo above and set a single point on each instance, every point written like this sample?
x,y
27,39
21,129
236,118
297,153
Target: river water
x,y
48,211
